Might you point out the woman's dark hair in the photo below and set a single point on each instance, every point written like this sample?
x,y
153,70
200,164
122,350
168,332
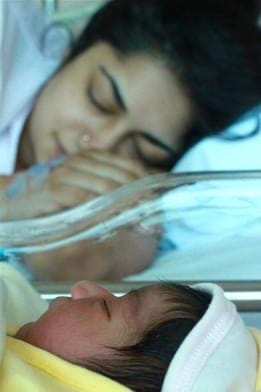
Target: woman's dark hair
x,y
142,367
214,46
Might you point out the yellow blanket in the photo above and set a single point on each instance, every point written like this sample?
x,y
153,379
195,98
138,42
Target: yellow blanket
x,y
28,369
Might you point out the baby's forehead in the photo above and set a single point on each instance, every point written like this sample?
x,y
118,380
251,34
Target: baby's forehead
x,y
156,294
146,290
156,288
148,303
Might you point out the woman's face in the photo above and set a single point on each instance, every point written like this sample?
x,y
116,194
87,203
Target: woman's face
x,y
131,106
85,325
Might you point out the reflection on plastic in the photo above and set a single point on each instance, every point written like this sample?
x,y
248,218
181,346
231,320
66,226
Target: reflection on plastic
x,y
148,205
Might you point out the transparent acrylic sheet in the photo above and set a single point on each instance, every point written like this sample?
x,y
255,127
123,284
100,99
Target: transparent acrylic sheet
x,y
207,225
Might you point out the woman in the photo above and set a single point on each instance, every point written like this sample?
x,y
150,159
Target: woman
x,y
143,83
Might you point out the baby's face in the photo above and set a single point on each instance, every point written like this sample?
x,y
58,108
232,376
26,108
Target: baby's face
x,y
92,320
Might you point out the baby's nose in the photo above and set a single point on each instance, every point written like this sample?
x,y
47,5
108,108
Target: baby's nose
x,y
87,289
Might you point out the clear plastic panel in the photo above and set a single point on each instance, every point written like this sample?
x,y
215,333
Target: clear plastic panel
x,y
201,226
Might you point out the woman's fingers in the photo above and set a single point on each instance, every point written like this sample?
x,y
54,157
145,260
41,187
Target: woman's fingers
x,y
103,157
65,196
84,181
97,173
77,180
94,171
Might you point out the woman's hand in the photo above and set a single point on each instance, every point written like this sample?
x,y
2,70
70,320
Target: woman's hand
x,y
78,179
129,252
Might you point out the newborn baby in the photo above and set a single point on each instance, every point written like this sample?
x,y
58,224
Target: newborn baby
x,y
163,337
102,332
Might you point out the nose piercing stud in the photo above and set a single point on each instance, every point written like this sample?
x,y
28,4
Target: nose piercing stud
x,y
85,140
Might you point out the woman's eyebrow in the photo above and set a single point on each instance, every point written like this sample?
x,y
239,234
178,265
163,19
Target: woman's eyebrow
x,y
115,88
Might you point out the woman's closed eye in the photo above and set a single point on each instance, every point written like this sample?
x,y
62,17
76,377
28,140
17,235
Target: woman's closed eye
x,y
97,103
153,152
104,93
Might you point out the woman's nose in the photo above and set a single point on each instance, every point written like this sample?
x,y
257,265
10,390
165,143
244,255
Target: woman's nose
x,y
87,289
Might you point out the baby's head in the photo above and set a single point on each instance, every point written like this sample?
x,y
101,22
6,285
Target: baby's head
x,y
130,339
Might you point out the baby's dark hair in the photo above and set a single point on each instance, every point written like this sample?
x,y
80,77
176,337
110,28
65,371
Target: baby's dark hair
x,y
142,367
213,46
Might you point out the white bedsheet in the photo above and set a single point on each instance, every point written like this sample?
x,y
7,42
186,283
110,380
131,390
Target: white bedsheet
x,y
212,230
232,259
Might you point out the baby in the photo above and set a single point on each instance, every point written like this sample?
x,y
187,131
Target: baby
x,y
163,337
117,336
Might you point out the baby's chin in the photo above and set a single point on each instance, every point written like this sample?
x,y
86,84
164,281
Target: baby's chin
x,y
22,333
